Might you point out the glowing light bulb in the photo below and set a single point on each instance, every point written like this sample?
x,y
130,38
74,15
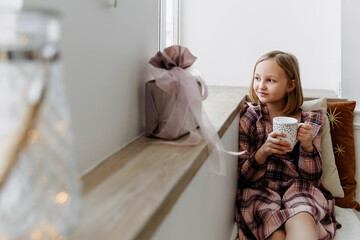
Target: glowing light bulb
x,y
62,198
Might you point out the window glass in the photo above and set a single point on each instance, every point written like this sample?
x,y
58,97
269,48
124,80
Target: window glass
x,y
169,23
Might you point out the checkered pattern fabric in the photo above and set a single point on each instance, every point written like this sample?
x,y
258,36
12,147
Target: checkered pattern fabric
x,y
284,185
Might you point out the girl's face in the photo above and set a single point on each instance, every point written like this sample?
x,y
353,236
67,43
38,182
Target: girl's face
x,y
271,83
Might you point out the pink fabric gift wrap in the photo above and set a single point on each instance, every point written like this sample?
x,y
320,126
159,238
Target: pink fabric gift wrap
x,y
169,97
173,104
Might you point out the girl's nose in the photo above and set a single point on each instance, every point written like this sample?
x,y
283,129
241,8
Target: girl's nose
x,y
262,85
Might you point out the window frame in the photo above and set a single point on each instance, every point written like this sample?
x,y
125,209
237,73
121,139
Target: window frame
x,y
169,23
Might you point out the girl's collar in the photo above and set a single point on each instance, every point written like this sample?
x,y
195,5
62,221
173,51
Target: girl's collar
x,y
264,113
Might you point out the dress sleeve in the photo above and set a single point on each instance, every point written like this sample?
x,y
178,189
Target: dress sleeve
x,y
310,164
249,169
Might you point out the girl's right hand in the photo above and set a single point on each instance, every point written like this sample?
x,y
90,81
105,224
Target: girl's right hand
x,y
271,146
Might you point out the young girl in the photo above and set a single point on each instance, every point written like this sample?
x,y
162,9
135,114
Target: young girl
x,y
280,194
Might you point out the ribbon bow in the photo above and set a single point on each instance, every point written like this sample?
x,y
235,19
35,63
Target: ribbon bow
x,y
173,67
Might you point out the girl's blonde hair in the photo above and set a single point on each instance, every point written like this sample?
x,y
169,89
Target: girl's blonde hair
x,y
290,65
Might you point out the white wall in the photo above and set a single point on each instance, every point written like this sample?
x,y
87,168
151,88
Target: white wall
x,y
229,36
350,52
105,53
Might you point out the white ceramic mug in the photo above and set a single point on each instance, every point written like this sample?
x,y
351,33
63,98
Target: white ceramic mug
x,y
289,126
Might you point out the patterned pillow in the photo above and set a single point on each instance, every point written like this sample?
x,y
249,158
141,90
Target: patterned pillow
x,y
330,176
341,117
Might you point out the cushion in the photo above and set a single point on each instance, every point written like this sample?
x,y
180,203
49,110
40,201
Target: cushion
x,y
330,176
341,117
349,224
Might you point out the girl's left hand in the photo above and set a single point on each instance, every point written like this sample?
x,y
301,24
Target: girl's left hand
x,y
305,136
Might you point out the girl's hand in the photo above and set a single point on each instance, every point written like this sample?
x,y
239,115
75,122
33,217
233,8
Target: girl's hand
x,y
305,136
271,146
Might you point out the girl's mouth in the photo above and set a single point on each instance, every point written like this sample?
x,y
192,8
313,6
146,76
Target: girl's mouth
x,y
262,94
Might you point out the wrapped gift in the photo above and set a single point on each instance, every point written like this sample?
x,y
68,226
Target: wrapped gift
x,y
173,96
173,104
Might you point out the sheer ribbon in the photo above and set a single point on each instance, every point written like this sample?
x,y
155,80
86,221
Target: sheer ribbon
x,y
173,68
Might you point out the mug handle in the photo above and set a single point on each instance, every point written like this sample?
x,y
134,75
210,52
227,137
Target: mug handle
x,y
299,125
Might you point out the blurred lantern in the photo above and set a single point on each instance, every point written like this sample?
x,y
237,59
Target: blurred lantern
x,y
40,193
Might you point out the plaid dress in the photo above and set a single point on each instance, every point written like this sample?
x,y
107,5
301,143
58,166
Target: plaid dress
x,y
285,185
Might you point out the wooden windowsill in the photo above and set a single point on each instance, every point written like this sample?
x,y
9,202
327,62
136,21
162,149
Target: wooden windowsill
x,y
129,194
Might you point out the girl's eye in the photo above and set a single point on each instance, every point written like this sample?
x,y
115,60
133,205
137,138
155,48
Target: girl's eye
x,y
271,80
257,78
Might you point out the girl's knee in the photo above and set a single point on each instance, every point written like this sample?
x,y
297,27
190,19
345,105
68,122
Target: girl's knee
x,y
302,224
304,218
